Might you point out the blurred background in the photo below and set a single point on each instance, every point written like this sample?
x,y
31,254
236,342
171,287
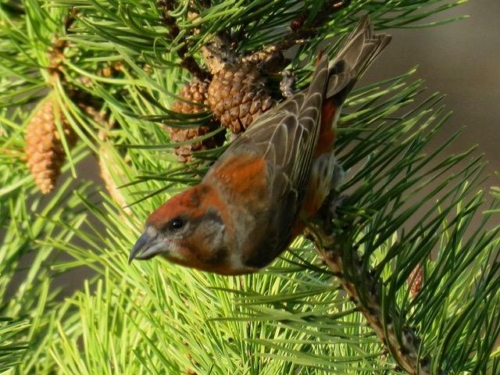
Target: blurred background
x,y
461,60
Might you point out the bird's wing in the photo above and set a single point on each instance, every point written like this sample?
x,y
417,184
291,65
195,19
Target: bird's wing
x,y
285,138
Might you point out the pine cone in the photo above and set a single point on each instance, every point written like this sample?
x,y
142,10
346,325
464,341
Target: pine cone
x,y
237,96
416,280
44,149
195,92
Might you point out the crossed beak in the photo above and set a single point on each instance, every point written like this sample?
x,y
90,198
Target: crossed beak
x,y
146,247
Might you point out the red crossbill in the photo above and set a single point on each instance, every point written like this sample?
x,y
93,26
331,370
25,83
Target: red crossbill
x,y
259,195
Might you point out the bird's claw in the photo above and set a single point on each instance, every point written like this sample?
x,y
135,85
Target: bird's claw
x,y
286,84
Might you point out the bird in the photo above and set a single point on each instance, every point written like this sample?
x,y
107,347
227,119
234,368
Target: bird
x,y
270,181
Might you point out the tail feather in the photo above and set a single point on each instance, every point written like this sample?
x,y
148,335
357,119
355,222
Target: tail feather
x,y
356,55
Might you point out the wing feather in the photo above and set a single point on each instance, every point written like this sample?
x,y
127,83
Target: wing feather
x,y
286,138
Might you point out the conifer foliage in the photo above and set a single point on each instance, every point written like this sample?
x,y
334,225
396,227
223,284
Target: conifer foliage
x,y
401,280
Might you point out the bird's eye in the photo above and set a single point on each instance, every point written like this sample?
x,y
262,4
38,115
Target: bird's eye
x,y
176,223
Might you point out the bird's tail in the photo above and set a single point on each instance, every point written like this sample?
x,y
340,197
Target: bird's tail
x,y
360,49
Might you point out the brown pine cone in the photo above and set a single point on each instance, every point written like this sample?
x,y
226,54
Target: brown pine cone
x,y
44,149
237,96
416,280
195,92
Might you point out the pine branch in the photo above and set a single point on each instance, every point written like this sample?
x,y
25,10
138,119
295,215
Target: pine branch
x,y
188,62
406,347
118,69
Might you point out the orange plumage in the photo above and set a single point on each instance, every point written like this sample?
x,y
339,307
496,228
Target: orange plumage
x,y
270,181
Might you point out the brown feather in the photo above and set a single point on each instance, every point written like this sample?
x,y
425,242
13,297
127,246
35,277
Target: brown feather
x,y
255,198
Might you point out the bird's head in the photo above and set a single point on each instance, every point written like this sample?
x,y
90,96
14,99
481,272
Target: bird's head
x,y
189,229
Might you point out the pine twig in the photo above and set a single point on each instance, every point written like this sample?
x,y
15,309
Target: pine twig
x,y
187,62
298,34
404,348
221,49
